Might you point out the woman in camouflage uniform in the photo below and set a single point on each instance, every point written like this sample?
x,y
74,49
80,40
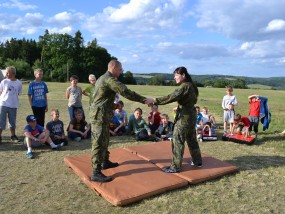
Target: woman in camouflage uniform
x,y
185,121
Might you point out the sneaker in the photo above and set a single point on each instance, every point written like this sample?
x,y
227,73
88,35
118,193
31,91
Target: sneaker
x,y
225,132
198,165
29,155
170,170
78,139
14,138
108,164
64,143
100,177
58,146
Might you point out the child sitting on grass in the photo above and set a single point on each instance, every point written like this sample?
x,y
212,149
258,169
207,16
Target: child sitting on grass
x,y
139,127
35,136
207,129
243,124
116,126
78,128
56,128
165,129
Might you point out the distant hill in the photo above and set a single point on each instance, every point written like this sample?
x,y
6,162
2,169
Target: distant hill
x,y
271,82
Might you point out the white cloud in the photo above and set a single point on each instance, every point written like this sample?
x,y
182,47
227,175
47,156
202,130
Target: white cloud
x,y
68,30
240,19
275,25
137,19
262,49
193,50
27,24
18,5
66,18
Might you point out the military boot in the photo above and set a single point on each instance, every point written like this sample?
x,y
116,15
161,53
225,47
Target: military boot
x,y
98,176
108,164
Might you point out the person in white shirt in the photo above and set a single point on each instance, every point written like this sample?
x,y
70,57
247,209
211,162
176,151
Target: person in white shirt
x,y
10,88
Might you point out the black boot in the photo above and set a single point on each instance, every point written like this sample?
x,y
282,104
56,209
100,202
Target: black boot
x,y
98,176
108,164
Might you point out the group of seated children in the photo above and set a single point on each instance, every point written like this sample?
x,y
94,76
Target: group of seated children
x,y
157,128
205,123
53,135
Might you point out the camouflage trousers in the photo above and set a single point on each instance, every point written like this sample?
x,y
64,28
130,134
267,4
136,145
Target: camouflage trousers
x,y
100,138
182,134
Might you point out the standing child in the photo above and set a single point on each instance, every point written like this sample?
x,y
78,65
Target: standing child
x,y
89,91
254,113
10,88
35,136
74,96
56,128
78,128
228,103
37,94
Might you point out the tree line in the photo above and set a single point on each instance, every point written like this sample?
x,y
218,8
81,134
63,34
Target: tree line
x,y
59,55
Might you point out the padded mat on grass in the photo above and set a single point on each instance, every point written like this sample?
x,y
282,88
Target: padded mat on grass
x,y
160,154
238,138
134,179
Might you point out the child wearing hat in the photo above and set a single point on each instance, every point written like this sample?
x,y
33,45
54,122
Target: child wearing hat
x,y
35,136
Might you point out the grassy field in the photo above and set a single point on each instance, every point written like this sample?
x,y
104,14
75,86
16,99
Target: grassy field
x,y
258,86
46,185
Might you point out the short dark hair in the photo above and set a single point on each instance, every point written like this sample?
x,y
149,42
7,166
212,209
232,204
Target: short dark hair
x,y
237,117
78,111
74,77
139,110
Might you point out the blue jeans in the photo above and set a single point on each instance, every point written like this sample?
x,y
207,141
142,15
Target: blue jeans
x,y
72,109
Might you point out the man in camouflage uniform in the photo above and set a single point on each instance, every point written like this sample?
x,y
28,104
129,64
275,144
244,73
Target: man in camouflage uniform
x,y
101,113
185,121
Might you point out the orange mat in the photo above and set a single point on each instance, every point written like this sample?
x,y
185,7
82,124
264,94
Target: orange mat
x,y
160,154
133,180
139,175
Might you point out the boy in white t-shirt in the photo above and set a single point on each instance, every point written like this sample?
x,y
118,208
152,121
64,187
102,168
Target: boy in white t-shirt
x,y
10,88
228,104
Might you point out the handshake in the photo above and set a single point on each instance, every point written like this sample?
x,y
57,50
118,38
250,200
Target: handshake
x,y
149,101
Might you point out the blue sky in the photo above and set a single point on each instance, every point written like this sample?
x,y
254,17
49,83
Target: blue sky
x,y
236,37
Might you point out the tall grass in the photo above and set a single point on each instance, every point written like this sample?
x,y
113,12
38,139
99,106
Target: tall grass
x,y
46,185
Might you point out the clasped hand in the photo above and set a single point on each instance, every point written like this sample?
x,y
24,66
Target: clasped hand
x,y
149,101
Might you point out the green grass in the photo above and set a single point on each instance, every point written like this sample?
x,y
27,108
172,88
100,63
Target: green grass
x,y
46,185
259,86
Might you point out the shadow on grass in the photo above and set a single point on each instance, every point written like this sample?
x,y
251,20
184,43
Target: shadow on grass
x,y
253,162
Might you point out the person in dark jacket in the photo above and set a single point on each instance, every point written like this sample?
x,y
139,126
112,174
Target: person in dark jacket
x,y
185,120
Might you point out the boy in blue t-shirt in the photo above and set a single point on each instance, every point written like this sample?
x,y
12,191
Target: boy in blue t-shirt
x,y
37,93
35,136
116,126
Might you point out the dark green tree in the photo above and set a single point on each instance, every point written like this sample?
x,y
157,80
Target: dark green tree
x,y
156,80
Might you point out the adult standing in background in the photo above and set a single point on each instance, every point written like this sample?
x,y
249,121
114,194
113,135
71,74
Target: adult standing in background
x,y
185,120
10,88
101,113
37,93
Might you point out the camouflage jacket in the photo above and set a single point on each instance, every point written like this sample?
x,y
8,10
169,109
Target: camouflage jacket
x,y
186,98
106,87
